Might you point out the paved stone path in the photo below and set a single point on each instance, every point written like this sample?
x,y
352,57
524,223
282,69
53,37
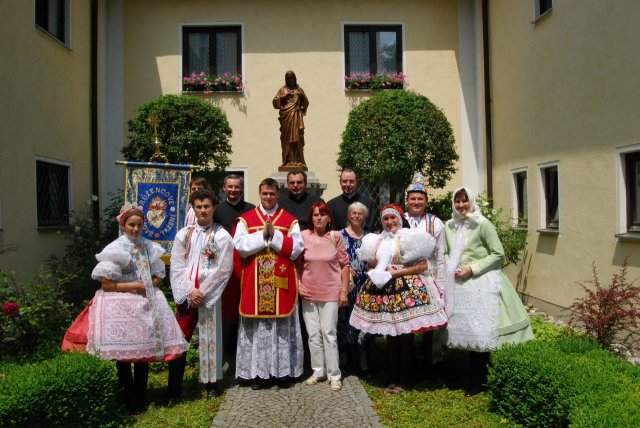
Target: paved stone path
x,y
299,406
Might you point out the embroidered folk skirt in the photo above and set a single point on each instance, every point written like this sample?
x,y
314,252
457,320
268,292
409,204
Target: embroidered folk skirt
x,y
406,304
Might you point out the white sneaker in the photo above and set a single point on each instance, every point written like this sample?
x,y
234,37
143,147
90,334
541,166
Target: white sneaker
x,y
313,380
336,385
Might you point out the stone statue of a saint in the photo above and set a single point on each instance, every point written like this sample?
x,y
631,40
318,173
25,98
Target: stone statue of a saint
x,y
292,103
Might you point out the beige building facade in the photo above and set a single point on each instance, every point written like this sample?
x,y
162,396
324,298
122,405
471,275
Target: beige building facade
x,y
45,165
564,89
437,53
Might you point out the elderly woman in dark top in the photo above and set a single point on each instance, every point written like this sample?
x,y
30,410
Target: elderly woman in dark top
x,y
351,341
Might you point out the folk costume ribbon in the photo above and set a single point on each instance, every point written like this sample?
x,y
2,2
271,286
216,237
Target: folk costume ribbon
x,y
141,259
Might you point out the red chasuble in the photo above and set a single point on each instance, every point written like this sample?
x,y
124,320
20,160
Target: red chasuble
x,y
269,283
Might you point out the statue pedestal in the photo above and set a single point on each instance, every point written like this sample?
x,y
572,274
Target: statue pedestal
x,y
314,186
287,168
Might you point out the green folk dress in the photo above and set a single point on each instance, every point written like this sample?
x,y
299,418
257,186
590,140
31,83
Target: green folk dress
x,y
487,311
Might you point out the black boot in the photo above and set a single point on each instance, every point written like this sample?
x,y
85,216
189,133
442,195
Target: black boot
x,y
427,348
125,381
140,377
478,364
176,373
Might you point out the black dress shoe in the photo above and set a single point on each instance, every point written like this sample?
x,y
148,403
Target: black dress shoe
x,y
284,382
257,384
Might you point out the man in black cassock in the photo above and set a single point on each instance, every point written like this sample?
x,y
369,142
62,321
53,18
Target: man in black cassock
x,y
226,213
350,194
298,201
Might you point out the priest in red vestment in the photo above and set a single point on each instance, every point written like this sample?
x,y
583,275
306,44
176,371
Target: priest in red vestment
x,y
269,341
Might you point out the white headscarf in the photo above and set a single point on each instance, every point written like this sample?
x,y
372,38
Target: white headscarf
x,y
474,211
457,248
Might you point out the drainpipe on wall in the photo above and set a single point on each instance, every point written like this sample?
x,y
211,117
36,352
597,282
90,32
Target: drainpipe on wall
x,y
487,97
95,182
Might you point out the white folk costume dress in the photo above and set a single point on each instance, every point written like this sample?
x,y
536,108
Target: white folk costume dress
x,y
202,257
487,310
128,326
268,345
433,226
402,305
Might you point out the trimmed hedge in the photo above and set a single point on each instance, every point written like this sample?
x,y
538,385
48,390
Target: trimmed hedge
x,y
564,382
71,390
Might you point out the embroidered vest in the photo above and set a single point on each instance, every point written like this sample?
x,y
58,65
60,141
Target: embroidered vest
x,y
269,282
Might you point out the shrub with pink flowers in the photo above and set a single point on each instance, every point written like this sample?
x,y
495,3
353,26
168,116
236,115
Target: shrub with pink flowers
x,y
366,81
207,83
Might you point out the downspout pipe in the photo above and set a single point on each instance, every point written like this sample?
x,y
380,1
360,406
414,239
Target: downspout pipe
x,y
487,98
95,182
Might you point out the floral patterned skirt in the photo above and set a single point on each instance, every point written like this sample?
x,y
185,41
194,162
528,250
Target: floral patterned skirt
x,y
406,304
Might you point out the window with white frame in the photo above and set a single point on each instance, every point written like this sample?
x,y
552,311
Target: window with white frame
x,y
53,181
373,49
540,7
520,214
53,17
628,194
632,166
212,49
549,196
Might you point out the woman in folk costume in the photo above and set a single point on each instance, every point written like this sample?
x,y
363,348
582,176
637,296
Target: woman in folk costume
x,y
129,319
487,312
201,264
399,297
416,199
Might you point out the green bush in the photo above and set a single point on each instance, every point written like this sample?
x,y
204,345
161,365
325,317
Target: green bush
x,y
394,134
544,330
70,390
565,382
41,315
190,130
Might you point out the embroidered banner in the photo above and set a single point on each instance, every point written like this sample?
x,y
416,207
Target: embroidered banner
x,y
162,190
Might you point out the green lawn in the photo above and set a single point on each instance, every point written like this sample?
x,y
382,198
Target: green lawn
x,y
433,405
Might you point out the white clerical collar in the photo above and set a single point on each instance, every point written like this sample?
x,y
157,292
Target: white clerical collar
x,y
271,211
233,203
349,196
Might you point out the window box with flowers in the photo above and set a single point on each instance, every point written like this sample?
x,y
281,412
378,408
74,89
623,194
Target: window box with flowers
x,y
201,82
373,82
